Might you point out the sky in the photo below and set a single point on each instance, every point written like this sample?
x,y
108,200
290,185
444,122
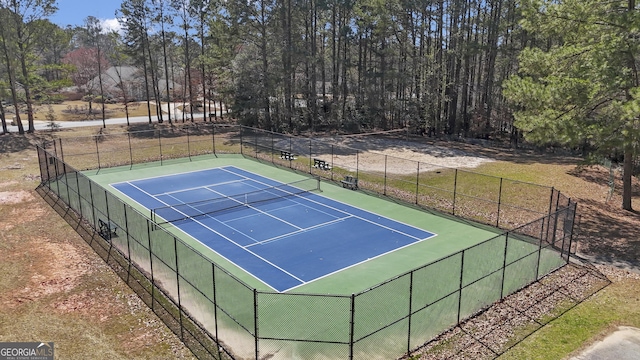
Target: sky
x,y
73,12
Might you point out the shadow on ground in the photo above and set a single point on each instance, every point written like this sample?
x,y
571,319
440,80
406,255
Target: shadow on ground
x,y
513,319
10,143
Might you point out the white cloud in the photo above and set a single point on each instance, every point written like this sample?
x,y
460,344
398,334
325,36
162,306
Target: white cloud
x,y
109,25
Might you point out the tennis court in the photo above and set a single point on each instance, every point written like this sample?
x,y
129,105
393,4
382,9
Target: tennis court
x,y
285,235
356,274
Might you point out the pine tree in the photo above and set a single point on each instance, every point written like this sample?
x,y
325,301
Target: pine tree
x,y
578,80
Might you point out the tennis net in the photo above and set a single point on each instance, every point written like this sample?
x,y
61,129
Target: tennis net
x,y
184,211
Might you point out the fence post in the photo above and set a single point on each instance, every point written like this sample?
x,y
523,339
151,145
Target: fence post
x,y
175,254
79,196
213,138
410,311
61,152
97,152
66,182
106,202
272,150
189,141
93,207
540,246
504,262
499,202
455,187
241,141
555,228
417,181
126,227
460,286
160,144
352,325
215,308
153,283
332,164
55,168
573,226
357,163
551,200
310,155
255,320
130,152
384,188
290,152
39,151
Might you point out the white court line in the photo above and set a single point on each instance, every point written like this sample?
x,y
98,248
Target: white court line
x,y
244,177
201,187
358,217
233,242
276,238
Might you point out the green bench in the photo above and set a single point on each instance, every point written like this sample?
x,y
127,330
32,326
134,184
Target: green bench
x,y
350,182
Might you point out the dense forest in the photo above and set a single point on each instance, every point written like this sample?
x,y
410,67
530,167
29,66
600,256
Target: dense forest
x,y
291,65
560,72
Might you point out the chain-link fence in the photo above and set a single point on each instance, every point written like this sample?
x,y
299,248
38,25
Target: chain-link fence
x,y
219,316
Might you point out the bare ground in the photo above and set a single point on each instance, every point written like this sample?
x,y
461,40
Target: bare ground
x,y
55,288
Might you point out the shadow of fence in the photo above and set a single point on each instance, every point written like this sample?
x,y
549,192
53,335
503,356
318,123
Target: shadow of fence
x,y
511,320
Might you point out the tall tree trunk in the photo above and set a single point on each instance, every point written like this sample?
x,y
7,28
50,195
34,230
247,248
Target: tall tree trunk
x,y
154,82
265,70
287,73
3,119
492,42
146,83
27,92
12,83
314,70
202,65
104,124
627,172
166,70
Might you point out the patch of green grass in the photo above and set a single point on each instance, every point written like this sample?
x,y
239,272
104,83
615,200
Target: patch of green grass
x,y
616,305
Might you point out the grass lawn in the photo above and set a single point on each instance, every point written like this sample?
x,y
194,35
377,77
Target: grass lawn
x,y
79,110
616,305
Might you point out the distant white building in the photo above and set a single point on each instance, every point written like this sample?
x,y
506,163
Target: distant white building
x,y
120,79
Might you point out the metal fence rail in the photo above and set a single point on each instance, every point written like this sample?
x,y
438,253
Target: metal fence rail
x,y
384,321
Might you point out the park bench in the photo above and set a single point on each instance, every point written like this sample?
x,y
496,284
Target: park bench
x,y
350,182
286,155
321,164
107,229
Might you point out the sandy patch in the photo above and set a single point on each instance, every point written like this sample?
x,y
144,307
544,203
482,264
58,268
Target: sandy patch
x,y
394,156
56,268
7,184
21,216
14,197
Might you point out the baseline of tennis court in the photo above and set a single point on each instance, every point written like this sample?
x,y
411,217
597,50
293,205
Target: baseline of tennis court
x,y
285,235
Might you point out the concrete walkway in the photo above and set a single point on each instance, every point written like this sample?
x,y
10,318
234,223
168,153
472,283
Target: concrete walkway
x,y
43,125
176,115
623,344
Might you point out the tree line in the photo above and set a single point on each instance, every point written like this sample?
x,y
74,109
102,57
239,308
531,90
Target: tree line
x,y
562,72
291,65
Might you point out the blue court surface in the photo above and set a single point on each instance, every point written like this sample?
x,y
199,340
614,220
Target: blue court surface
x,y
279,233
